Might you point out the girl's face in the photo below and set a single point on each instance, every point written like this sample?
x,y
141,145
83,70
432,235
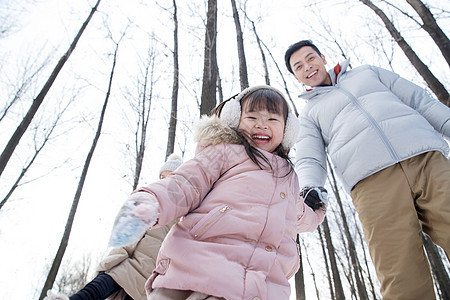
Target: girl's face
x,y
264,129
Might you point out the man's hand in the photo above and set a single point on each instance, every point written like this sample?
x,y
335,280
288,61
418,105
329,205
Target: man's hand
x,y
314,196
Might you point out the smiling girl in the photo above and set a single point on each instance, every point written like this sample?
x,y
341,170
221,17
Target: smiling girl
x,y
239,202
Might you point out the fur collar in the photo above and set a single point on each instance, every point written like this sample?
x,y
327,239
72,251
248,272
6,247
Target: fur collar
x,y
212,131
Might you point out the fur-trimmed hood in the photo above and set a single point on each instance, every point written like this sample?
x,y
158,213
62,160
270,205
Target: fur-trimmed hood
x,y
212,131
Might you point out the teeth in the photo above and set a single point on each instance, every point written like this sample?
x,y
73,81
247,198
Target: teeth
x,y
312,74
261,137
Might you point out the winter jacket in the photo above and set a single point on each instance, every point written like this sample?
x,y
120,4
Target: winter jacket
x,y
130,266
368,120
237,235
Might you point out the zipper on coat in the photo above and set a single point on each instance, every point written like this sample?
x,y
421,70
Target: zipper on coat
x,y
215,214
372,121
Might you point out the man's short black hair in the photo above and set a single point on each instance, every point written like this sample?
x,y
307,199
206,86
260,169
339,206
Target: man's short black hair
x,y
294,47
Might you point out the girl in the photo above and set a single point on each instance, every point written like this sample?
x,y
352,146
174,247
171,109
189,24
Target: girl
x,y
239,202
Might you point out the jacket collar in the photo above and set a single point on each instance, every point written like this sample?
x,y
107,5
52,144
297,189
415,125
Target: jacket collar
x,y
338,70
335,75
212,131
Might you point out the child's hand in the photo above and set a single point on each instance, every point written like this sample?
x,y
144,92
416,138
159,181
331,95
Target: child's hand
x,y
315,196
137,214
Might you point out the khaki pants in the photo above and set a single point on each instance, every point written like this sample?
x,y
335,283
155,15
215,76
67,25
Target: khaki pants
x,y
393,205
168,294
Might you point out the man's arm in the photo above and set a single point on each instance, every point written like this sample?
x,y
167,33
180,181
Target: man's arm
x,y
435,112
310,159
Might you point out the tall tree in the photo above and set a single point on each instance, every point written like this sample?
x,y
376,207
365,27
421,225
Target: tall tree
x,y
15,138
243,75
366,259
351,244
313,275
435,85
175,85
327,268
68,228
338,290
74,275
299,276
260,44
263,56
429,25
208,98
219,85
142,110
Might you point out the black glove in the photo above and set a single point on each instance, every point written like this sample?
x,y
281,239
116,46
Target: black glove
x,y
315,196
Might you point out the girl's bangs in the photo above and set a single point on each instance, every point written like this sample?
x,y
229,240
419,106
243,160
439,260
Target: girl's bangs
x,y
266,99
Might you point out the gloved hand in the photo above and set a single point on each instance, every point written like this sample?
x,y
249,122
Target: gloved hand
x,y
315,196
137,214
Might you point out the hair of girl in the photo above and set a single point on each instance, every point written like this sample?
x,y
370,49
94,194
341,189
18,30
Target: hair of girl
x,y
256,100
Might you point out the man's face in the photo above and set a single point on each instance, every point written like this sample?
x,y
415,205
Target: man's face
x,y
309,67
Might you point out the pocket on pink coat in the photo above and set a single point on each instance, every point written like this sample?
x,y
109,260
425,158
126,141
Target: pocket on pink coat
x,y
201,228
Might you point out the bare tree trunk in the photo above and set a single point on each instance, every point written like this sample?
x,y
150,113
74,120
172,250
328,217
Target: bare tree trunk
x,y
299,277
176,74
208,98
74,275
282,77
143,112
338,290
219,85
65,239
260,45
435,85
312,271
361,239
430,25
437,266
327,267
263,56
362,292
15,139
243,75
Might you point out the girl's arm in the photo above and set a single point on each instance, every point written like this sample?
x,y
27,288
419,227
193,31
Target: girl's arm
x,y
166,200
139,212
307,218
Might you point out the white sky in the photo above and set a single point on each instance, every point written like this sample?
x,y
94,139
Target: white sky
x,y
32,222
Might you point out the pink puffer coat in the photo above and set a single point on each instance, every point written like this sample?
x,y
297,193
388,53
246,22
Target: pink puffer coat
x,y
237,236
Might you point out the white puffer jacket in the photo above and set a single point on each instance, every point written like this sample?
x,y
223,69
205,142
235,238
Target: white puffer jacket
x,y
369,119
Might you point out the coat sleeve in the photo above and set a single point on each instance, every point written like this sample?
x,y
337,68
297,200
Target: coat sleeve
x,y
183,190
310,156
307,219
435,112
115,257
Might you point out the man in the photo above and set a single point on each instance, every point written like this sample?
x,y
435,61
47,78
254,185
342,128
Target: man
x,y
384,136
